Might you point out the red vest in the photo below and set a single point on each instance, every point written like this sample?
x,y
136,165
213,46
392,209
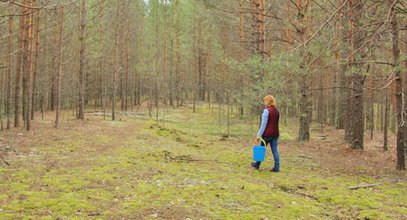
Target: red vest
x,y
272,123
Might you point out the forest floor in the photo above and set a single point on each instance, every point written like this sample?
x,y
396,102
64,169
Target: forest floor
x,y
182,168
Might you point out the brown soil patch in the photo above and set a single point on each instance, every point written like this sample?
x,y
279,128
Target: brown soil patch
x,y
331,153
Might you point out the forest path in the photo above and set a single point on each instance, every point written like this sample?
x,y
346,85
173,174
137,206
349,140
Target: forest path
x,y
182,168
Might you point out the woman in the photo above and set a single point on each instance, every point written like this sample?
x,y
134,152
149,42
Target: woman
x,y
269,131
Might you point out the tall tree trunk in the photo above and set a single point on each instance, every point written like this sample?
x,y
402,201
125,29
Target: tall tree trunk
x,y
333,102
258,15
127,67
58,83
342,103
171,80
178,82
3,94
372,114
122,72
386,122
10,64
102,76
19,68
100,97
400,98
82,48
116,62
36,56
140,50
321,103
28,67
44,85
52,73
164,52
305,97
358,78
241,57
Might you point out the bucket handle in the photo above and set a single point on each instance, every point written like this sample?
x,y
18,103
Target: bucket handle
x,y
254,141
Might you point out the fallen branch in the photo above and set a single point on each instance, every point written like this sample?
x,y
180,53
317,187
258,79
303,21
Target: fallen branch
x,y
95,213
185,158
180,158
303,156
7,163
291,191
363,186
303,194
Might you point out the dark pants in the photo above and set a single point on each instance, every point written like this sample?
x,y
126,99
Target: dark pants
x,y
273,145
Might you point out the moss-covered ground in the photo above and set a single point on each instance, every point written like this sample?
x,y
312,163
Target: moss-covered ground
x,y
183,168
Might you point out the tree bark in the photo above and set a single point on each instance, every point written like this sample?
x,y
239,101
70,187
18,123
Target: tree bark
x,y
400,96
342,95
372,114
82,48
19,69
27,66
58,83
386,123
358,78
116,62
178,82
258,16
305,96
36,56
10,65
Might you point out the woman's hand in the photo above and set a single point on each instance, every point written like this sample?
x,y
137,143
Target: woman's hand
x,y
258,138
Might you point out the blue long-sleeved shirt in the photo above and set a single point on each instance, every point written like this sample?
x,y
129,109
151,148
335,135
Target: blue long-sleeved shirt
x,y
264,119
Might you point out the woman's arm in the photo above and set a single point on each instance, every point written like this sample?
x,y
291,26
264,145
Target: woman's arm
x,y
264,119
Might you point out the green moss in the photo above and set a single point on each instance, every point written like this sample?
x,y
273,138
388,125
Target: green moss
x,y
64,183
68,204
19,187
372,214
132,176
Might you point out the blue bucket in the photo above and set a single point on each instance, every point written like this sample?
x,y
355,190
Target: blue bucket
x,y
259,152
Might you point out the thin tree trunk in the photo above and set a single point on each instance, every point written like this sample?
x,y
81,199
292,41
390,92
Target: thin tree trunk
x,y
28,67
382,114
386,123
138,70
342,98
82,48
36,56
164,53
30,70
46,66
127,66
333,109
19,69
3,95
116,62
171,80
122,73
258,15
401,120
58,86
372,110
10,64
102,81
358,128
305,100
228,113
320,101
